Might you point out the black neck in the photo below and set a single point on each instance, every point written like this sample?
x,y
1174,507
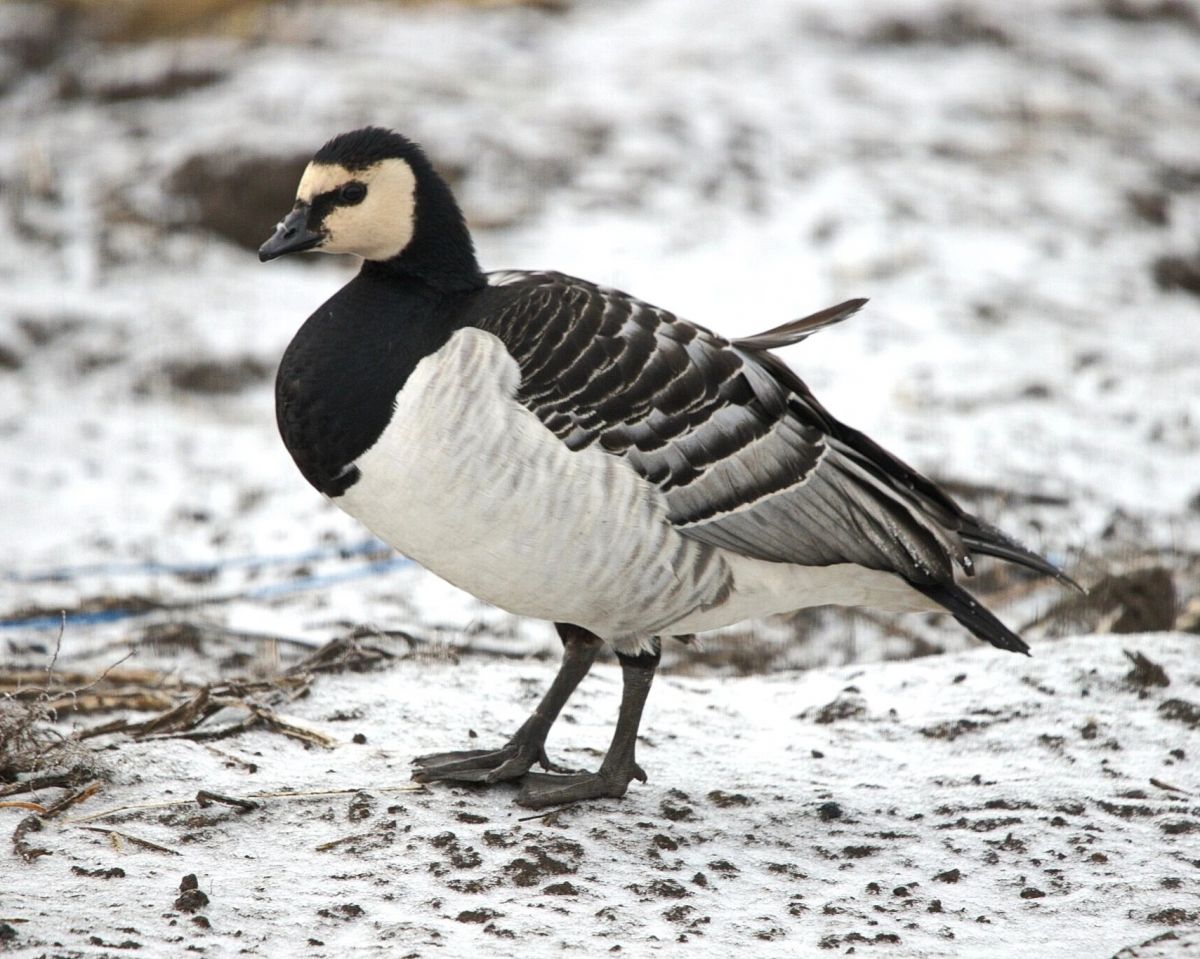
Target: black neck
x,y
441,253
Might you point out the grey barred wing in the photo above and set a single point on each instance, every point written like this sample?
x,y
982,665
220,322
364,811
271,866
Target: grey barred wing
x,y
744,456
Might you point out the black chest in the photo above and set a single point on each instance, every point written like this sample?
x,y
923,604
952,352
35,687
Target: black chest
x,y
337,383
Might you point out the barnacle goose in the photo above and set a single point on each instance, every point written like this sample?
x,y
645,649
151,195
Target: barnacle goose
x,y
570,453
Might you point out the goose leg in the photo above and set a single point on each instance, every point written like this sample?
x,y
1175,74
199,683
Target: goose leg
x,y
528,744
619,767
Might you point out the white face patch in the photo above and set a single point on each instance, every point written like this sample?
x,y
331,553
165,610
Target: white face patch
x,y
381,225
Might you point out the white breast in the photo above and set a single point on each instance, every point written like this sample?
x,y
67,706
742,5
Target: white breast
x,y
470,484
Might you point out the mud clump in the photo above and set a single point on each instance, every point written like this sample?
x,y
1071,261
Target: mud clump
x,y
1181,711
116,872
849,704
829,811
458,857
1174,917
346,912
1145,672
661,889
956,27
542,864
1178,273
676,811
190,898
724,800
477,915
361,807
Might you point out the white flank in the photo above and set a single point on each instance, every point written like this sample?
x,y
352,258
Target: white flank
x,y
470,484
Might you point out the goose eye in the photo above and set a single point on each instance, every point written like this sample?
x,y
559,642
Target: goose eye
x,y
352,193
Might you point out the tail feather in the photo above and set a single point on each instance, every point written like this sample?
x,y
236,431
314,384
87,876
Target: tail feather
x,y
973,615
794,331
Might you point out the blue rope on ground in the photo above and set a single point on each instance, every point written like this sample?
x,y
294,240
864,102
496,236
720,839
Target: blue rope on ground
x,y
186,569
268,591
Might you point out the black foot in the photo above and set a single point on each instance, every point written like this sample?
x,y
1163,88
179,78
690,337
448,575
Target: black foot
x,y
511,761
539,791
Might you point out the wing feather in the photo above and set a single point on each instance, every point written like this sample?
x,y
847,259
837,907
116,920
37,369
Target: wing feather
x,y
745,456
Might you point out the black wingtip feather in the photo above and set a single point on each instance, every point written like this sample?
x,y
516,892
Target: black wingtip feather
x,y
985,538
974,616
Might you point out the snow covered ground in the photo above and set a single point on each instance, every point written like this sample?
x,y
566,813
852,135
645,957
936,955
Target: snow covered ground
x,y
963,805
1016,187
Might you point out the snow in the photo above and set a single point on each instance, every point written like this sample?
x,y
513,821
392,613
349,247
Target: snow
x,y
740,165
972,804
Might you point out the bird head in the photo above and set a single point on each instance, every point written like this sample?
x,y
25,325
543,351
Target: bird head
x,y
373,193
358,195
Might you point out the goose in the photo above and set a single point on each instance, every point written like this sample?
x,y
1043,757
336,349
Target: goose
x,y
570,453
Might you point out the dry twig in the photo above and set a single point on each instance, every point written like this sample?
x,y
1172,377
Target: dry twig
x,y
118,836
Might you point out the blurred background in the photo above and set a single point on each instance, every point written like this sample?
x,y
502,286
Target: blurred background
x,y
1016,187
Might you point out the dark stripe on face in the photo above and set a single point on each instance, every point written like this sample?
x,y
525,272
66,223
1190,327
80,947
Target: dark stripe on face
x,y
325,203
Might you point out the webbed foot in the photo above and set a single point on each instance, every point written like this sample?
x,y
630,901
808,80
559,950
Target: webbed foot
x,y
539,790
511,761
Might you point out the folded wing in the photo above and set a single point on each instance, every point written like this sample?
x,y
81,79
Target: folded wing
x,y
746,458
